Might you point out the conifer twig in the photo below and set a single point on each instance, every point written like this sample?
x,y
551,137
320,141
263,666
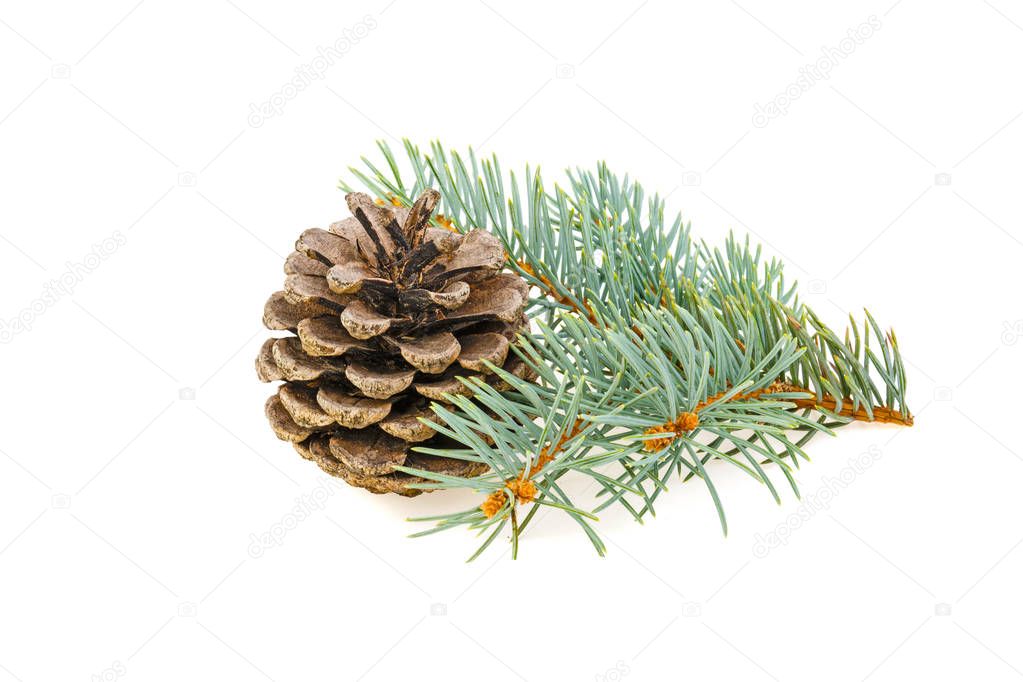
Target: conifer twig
x,y
655,357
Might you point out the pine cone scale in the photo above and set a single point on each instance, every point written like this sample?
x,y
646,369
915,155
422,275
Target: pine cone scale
x,y
432,353
363,322
369,451
350,411
324,246
406,425
479,349
326,336
379,382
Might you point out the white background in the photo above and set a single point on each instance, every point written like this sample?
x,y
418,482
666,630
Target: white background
x,y
128,508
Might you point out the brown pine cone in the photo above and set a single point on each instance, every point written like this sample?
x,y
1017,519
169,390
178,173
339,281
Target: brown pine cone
x,y
387,313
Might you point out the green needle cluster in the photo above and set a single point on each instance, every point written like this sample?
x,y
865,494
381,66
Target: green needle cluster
x,y
635,324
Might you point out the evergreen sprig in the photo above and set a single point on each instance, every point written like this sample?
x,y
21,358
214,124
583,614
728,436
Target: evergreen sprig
x,y
655,355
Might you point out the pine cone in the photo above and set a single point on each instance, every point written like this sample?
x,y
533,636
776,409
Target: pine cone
x,y
388,312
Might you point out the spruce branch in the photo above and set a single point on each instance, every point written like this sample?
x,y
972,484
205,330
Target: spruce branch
x,y
655,355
